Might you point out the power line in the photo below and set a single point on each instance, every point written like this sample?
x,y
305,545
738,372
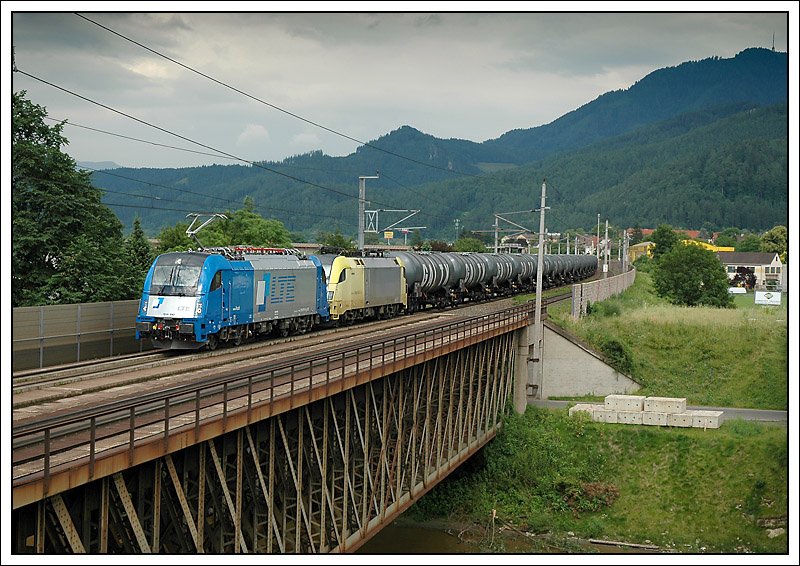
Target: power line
x,y
253,163
277,164
167,199
137,139
424,197
158,185
226,85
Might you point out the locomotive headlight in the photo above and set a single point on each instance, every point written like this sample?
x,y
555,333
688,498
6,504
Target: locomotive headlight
x,y
144,306
198,308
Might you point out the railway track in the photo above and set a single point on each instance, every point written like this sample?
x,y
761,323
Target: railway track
x,y
98,416
50,385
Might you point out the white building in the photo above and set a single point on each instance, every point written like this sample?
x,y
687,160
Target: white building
x,y
766,267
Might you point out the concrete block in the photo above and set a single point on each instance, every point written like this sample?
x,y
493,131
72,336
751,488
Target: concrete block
x,y
679,419
665,404
604,416
655,419
629,417
582,408
624,402
706,419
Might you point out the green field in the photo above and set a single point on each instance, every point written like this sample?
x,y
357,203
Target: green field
x,y
563,480
717,357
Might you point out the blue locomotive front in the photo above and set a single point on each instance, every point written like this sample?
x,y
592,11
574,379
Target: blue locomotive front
x,y
201,298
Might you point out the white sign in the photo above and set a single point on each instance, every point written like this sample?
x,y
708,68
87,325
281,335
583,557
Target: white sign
x,y
171,307
605,268
768,298
737,290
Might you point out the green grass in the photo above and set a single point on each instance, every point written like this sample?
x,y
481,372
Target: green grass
x,y
718,357
684,490
687,490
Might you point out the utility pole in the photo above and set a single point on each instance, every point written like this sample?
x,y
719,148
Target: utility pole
x,y
624,251
362,189
605,255
567,243
598,237
457,221
537,325
496,232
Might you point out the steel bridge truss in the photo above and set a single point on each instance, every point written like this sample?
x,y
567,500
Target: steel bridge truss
x,y
323,477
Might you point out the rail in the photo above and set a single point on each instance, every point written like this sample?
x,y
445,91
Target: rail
x,y
45,445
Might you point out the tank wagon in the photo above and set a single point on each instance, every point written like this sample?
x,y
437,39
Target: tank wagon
x,y
201,298
442,279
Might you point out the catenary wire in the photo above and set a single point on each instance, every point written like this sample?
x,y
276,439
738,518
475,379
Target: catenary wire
x,y
226,85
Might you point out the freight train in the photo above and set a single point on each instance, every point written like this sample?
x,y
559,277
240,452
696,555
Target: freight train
x,y
199,299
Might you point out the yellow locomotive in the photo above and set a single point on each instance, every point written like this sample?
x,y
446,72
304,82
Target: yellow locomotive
x,y
365,287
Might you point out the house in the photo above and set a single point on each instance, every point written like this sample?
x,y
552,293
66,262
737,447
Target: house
x,y
708,246
638,250
753,269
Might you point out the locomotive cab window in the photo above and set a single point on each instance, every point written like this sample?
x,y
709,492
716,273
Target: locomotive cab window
x,y
216,283
176,274
343,275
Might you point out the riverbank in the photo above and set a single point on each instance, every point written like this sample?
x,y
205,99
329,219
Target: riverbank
x,y
562,480
551,483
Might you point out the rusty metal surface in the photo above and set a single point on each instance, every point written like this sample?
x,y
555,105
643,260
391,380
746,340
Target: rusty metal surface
x,y
147,426
319,477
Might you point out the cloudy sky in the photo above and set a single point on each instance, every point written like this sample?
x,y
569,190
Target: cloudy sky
x,y
452,75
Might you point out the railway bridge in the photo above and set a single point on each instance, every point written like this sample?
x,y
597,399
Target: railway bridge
x,y
312,450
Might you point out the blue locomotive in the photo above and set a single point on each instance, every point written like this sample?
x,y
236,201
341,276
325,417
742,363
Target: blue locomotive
x,y
201,298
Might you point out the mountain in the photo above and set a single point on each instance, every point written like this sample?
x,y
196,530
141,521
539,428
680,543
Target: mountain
x,y
97,165
596,154
756,76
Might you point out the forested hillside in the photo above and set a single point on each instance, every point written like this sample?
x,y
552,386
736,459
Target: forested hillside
x,y
700,142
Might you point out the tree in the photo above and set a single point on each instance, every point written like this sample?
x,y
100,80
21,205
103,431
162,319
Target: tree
x,y
174,238
439,246
247,227
138,255
636,235
750,243
242,227
664,239
66,244
469,245
336,240
775,241
416,240
692,276
745,277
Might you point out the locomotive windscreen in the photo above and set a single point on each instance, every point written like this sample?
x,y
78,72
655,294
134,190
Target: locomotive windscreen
x,y
177,274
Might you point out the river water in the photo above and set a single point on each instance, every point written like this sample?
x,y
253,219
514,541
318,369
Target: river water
x,y
405,537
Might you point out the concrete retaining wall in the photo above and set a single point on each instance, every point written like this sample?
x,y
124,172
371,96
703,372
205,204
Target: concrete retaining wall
x,y
571,369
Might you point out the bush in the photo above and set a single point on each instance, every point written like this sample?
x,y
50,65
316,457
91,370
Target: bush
x,y
617,355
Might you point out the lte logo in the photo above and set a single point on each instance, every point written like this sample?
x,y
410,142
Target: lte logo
x,y
158,304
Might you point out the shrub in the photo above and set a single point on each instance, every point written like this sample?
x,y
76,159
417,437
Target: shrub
x,y
617,355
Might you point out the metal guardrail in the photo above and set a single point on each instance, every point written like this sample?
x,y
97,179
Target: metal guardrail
x,y
115,424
